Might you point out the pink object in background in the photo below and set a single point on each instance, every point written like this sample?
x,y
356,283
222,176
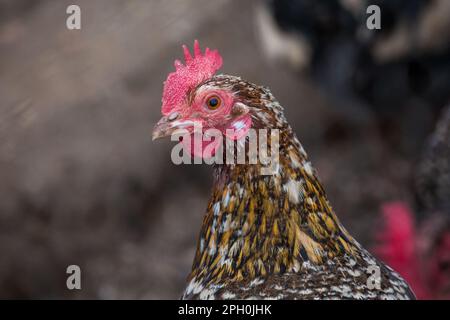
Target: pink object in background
x,y
398,246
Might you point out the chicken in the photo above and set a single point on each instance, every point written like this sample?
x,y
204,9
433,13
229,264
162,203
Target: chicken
x,y
416,241
264,236
398,75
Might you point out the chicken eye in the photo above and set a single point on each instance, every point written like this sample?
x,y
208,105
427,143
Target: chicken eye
x,y
213,102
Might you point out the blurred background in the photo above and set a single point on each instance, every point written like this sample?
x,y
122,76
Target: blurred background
x,y
82,183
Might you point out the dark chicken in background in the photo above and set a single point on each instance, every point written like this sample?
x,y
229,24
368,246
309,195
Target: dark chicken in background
x,y
264,236
433,209
416,241
399,73
433,179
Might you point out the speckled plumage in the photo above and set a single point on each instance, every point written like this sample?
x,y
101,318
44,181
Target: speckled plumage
x,y
276,236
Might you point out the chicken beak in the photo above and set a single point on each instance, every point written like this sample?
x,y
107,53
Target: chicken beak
x,y
161,129
169,125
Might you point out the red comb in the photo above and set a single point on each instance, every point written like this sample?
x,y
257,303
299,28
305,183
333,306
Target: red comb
x,y
197,69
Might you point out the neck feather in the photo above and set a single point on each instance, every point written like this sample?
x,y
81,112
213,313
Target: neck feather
x,y
257,225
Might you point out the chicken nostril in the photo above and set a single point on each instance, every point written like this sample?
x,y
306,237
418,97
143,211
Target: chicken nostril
x,y
173,116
